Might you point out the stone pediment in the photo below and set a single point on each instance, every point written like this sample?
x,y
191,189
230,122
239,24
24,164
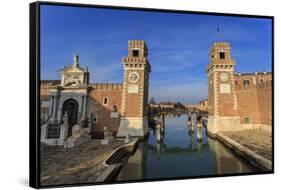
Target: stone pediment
x,y
73,75
72,69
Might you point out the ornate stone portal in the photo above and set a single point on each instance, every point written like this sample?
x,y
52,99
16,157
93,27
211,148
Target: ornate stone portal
x,y
70,97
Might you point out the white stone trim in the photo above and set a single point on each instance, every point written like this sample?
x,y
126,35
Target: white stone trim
x,y
216,97
217,124
135,126
135,68
219,70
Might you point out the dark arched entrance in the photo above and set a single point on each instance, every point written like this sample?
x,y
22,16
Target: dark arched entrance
x,y
71,107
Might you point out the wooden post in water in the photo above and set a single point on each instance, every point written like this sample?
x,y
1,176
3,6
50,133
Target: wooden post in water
x,y
158,132
199,132
163,119
192,122
162,124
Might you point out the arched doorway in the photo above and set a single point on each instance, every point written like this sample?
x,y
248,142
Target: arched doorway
x,y
71,107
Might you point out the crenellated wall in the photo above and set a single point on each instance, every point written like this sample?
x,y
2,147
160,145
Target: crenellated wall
x,y
107,86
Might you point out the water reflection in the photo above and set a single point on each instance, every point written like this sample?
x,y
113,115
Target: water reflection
x,y
186,150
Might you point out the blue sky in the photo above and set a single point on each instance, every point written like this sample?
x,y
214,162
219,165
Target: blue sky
x,y
178,46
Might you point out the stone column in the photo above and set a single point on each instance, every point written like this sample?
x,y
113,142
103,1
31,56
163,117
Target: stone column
x,y
84,107
55,108
81,108
51,106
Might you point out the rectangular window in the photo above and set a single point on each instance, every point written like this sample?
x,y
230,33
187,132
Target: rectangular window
x,y
105,101
246,83
247,120
135,53
222,55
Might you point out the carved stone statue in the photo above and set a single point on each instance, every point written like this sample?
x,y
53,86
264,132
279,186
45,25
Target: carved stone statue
x,y
72,80
79,118
127,139
65,119
105,133
114,108
90,117
76,60
79,135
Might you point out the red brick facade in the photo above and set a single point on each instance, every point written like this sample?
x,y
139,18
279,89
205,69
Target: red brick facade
x,y
109,103
254,98
247,97
103,112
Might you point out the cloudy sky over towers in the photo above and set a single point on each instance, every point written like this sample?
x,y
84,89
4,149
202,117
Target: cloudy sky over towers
x,y
178,46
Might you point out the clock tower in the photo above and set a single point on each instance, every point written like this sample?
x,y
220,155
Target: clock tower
x,y
222,110
134,120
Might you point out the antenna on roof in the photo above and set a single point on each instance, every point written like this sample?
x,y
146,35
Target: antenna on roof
x,y
219,36
218,28
218,31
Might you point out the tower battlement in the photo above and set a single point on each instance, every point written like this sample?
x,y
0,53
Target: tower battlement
x,y
221,44
137,45
107,86
137,49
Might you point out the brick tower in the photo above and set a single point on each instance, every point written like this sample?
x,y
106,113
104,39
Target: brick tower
x,y
222,99
134,109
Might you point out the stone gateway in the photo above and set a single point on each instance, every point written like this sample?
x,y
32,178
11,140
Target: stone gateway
x,y
122,108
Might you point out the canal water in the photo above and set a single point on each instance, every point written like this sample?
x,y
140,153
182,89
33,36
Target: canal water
x,y
182,154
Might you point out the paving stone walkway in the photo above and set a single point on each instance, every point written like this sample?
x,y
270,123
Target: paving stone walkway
x,y
256,140
82,164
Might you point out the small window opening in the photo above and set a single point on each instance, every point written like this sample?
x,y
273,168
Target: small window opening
x,y
222,55
246,82
105,101
95,119
247,120
135,53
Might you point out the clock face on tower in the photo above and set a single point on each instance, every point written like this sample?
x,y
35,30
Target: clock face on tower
x,y
133,77
224,76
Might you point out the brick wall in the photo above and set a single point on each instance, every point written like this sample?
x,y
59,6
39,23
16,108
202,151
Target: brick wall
x,y
254,97
103,112
264,94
